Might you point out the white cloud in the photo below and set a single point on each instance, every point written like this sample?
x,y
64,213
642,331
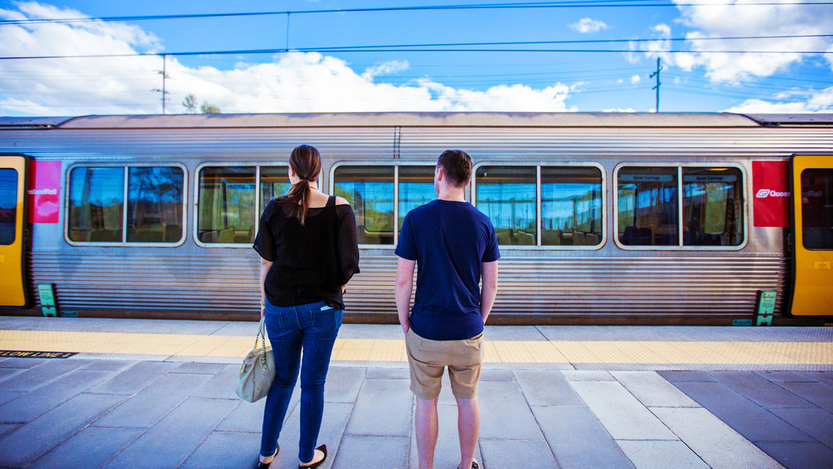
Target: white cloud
x,y
618,109
291,82
734,19
814,101
387,68
587,25
635,79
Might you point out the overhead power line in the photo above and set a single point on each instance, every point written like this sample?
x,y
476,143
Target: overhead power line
x,y
481,6
467,47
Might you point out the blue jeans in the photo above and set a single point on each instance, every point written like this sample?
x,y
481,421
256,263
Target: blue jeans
x,y
292,329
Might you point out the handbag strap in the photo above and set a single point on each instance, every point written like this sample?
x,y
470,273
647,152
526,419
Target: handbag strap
x,y
261,333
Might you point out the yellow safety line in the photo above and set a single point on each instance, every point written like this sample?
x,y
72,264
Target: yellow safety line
x,y
623,352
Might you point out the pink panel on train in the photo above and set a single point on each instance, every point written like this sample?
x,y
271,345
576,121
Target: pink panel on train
x,y
771,189
44,191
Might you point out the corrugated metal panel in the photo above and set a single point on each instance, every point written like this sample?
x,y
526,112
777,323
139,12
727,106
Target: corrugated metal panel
x,y
549,287
601,142
200,143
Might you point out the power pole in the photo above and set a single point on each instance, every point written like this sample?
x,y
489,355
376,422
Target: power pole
x,y
656,74
164,77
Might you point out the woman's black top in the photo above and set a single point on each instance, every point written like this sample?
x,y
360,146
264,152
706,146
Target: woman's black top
x,y
310,262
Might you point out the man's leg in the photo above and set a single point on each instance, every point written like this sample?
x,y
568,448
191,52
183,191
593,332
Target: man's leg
x,y
427,427
468,426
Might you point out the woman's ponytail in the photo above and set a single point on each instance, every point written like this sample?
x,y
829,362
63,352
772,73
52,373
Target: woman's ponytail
x,y
305,161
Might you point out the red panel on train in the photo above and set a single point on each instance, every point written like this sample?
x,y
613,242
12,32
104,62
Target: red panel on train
x,y
771,186
44,191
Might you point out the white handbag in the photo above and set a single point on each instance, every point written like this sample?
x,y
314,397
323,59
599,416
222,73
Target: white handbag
x,y
257,371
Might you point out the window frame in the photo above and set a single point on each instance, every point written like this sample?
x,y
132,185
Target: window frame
x,y
126,171
258,208
538,203
396,165
680,246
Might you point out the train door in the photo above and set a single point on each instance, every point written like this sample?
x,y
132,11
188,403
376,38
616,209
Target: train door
x,y
812,188
12,185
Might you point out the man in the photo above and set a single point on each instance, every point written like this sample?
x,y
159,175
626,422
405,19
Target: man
x,y
455,245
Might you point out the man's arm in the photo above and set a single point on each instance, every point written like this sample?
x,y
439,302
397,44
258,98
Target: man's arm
x,y
404,287
264,269
488,271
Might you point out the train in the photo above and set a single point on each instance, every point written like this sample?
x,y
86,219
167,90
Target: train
x,y
601,218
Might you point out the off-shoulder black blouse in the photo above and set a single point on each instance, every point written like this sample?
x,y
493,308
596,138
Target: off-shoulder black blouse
x,y
310,262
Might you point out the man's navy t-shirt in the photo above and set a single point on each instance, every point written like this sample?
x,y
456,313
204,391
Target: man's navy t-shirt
x,y
448,240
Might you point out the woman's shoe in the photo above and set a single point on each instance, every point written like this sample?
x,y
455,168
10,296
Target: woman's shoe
x,y
265,465
323,449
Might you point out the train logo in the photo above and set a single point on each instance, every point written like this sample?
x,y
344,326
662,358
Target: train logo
x,y
764,193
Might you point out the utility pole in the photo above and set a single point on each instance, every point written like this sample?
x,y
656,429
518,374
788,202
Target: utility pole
x,y
656,74
164,77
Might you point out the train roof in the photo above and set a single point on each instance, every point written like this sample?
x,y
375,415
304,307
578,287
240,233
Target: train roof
x,y
419,119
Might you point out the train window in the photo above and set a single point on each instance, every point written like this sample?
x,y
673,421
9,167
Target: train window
x,y
369,190
226,205
154,204
817,208
712,207
274,182
508,196
571,206
96,204
647,199
416,188
8,205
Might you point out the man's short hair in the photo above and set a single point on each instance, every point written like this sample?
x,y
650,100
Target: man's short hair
x,y
457,166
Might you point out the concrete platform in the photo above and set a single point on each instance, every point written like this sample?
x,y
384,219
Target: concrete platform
x,y
697,408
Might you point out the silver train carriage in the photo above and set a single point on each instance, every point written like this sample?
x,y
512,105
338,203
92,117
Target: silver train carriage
x,y
601,218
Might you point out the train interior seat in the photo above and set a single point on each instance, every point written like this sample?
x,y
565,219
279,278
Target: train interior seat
x,y
592,239
226,236
173,233
552,238
105,236
579,238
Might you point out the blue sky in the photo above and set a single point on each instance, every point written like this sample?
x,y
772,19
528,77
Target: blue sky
x,y
303,80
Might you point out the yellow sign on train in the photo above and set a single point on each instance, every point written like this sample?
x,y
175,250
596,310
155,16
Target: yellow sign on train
x,y
12,190
812,183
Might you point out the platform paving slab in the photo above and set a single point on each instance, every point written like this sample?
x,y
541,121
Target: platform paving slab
x,y
712,440
653,454
578,440
392,395
545,388
37,437
515,454
817,393
153,402
134,378
36,402
815,422
652,390
759,390
624,417
90,448
41,374
799,455
180,431
372,451
755,423
504,412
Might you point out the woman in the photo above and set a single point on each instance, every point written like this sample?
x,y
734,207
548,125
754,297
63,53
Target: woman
x,y
307,241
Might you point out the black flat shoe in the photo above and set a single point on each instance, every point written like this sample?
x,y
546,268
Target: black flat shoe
x,y
265,465
323,449
473,465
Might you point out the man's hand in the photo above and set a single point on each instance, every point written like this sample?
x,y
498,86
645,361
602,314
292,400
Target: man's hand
x,y
404,287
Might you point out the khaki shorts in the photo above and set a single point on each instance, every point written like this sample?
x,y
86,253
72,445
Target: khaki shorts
x,y
428,358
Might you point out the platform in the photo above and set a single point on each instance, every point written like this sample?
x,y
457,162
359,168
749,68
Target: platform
x,y
160,394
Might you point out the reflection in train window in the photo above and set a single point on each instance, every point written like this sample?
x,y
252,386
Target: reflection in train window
x,y
416,188
817,208
154,204
712,207
226,205
369,190
571,206
274,182
96,204
648,206
507,195
8,205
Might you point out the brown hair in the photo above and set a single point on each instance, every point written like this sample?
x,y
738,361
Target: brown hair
x,y
306,162
457,166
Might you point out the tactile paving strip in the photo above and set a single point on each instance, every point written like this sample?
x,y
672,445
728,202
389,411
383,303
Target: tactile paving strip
x,y
627,354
